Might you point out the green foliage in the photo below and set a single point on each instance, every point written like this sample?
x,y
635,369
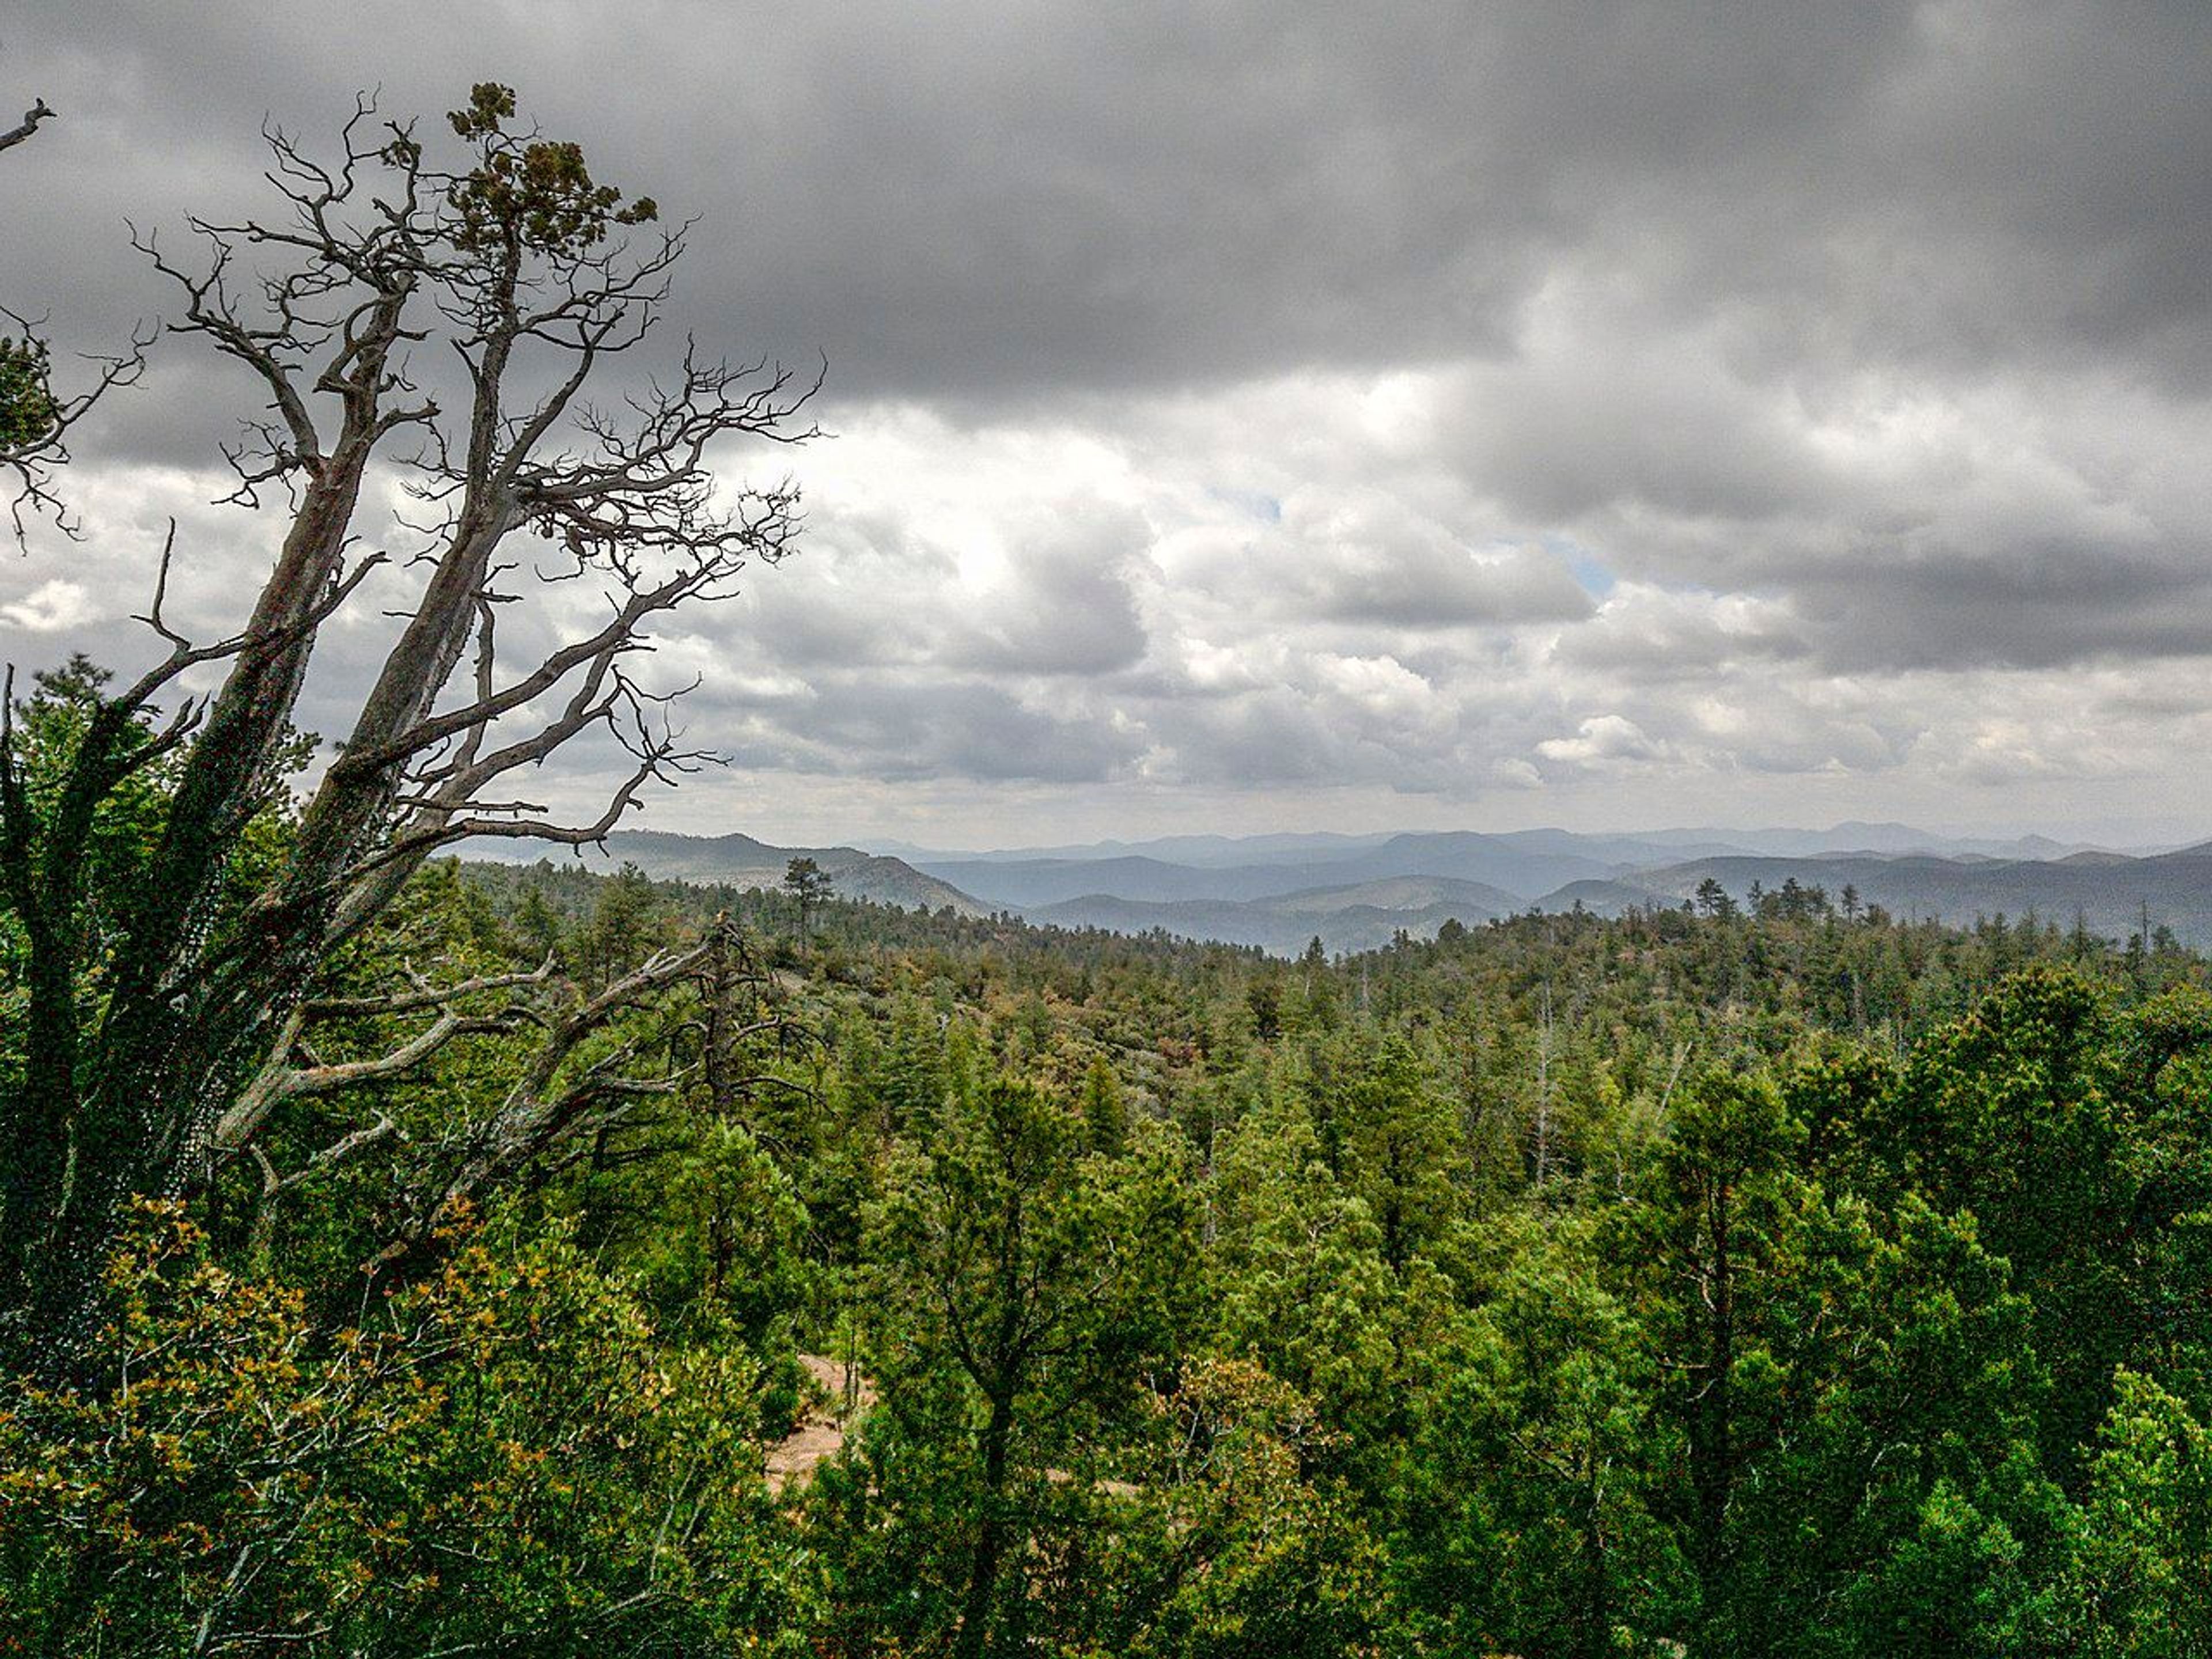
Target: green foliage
x,y
1758,1284
531,193
495,1455
2023,1113
1027,1286
92,866
27,411
1227,1547
2137,1580
1531,1519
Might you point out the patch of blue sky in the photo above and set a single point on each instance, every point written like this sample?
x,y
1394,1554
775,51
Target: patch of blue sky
x,y
1268,509
1587,569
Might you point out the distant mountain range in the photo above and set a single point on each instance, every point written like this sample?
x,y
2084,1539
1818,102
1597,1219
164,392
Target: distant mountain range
x,y
2109,892
1355,892
1360,917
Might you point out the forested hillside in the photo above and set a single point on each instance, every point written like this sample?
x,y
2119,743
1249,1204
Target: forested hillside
x,y
739,861
1738,1284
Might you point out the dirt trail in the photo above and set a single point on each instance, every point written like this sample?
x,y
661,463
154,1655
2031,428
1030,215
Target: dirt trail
x,y
822,1427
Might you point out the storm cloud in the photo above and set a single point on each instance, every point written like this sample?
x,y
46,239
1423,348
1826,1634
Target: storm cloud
x,y
1262,416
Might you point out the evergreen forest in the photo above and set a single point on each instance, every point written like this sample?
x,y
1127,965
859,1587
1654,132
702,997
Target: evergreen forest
x,y
1761,1281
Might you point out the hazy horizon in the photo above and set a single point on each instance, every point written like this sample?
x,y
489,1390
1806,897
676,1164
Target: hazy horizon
x,y
2118,844
1013,843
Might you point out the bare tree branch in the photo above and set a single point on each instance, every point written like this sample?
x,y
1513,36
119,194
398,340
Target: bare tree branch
x,y
337,1152
31,117
424,995
547,1105
279,1080
36,458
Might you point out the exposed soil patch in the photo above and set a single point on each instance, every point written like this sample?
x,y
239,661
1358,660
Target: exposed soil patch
x,y
842,1395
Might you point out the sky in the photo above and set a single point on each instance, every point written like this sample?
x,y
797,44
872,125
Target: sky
x,y
1248,417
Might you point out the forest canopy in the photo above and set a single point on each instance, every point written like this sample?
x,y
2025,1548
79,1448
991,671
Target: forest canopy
x,y
1567,1287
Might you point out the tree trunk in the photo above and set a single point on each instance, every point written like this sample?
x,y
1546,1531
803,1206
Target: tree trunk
x,y
1712,1449
990,1537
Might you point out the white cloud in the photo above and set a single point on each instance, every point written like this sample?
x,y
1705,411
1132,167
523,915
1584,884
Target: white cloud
x,y
1604,742
51,607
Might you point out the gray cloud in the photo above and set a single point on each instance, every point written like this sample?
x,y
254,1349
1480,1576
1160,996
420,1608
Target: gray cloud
x,y
1365,557
1069,607
959,197
1224,391
1647,635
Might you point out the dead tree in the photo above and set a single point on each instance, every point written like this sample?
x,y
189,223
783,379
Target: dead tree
x,y
147,1043
688,1020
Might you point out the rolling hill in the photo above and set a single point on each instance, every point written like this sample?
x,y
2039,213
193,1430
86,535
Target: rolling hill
x,y
742,861
2109,892
1361,917
1491,862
